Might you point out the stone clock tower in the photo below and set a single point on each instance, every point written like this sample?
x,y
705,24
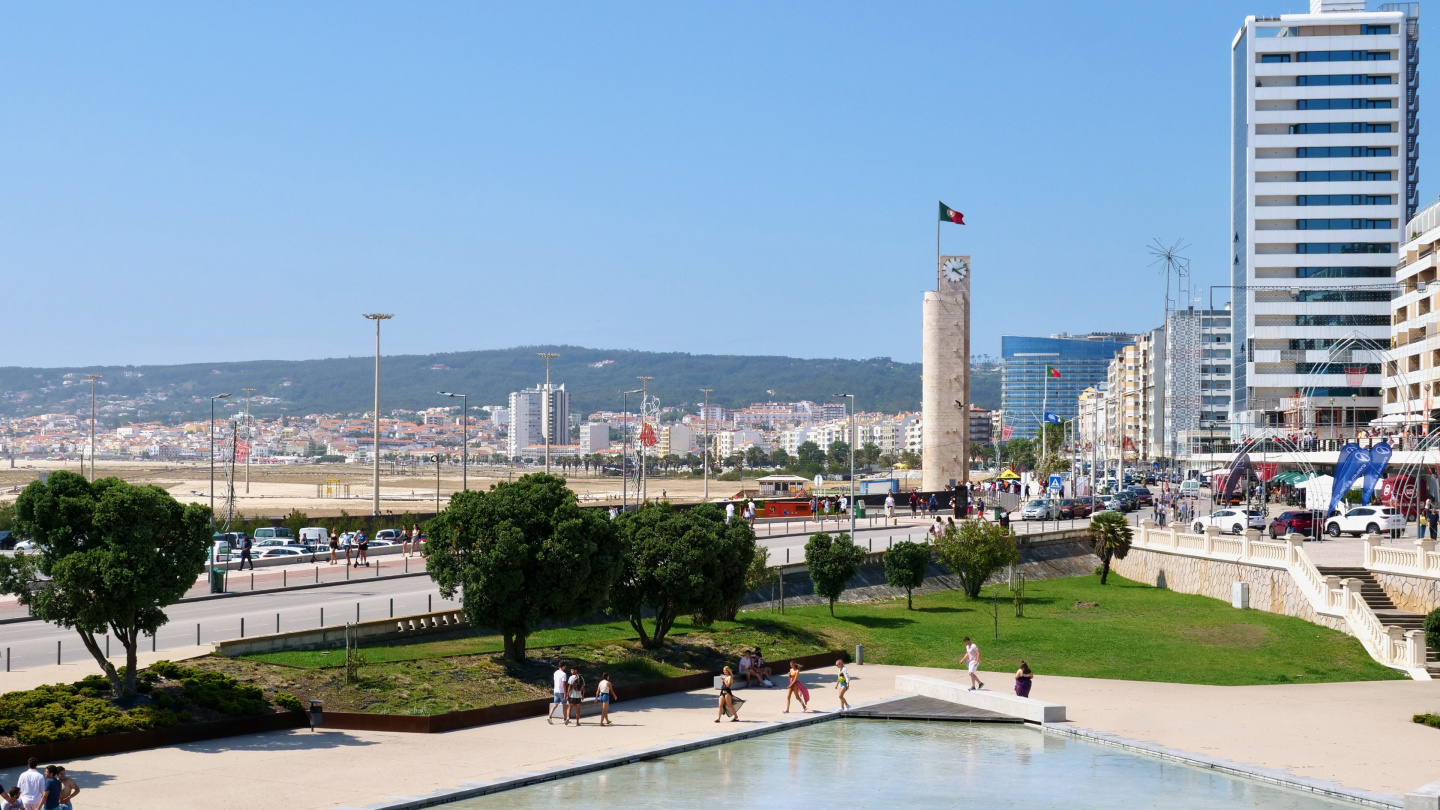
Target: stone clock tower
x,y
945,358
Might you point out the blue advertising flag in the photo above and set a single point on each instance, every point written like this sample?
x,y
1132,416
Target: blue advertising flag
x,y
1375,470
1237,474
1053,419
1349,465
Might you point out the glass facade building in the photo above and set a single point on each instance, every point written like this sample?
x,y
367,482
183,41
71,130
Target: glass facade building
x,y
1082,361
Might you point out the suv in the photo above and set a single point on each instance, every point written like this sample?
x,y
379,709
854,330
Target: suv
x,y
1366,520
1230,521
1142,496
1293,523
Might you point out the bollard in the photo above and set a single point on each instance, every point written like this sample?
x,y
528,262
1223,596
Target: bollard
x,y
7,659
392,607
197,634
242,626
859,653
378,563
252,579
322,615
429,606
407,563
347,572
357,612
277,623
871,542
57,652
107,645
283,578
317,577
152,642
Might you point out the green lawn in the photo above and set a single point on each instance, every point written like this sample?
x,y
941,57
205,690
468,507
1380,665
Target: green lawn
x,y
1135,632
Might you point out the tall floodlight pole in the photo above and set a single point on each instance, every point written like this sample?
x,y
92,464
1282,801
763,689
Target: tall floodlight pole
x,y
212,458
851,397
625,448
464,437
92,378
644,403
547,401
705,451
377,317
249,434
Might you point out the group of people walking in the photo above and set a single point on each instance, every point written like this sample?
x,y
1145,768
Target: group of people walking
x,y
569,695
50,789
730,704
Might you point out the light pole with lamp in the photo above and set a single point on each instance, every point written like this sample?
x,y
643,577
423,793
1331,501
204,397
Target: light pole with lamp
x,y
851,397
625,447
249,430
377,317
545,405
212,459
1355,416
92,378
644,401
705,451
464,437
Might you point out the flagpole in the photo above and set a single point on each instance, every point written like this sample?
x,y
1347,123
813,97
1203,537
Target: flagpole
x,y
937,240
1044,404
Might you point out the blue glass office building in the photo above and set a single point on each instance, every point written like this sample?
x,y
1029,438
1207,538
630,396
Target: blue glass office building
x,y
1082,361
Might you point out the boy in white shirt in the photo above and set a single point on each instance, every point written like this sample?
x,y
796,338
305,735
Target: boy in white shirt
x,y
972,664
558,698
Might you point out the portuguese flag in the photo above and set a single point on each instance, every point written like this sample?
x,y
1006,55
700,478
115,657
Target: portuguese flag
x,y
1051,371
948,214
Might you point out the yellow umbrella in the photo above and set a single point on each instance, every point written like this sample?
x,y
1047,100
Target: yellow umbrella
x,y
1009,475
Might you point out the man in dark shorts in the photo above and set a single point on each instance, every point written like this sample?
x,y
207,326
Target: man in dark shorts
x,y
575,694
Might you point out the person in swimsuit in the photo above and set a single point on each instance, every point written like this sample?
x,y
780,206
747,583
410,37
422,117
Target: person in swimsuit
x,y
727,697
842,684
1023,679
604,693
795,689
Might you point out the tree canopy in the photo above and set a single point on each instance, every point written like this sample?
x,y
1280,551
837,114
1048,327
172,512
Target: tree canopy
x,y
110,557
1111,534
833,561
520,554
974,550
905,564
680,562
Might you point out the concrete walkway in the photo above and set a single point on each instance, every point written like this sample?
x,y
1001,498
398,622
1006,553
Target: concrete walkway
x,y
1356,735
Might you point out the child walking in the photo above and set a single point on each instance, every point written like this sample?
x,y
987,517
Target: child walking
x,y
842,684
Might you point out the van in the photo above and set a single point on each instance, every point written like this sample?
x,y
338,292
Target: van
x,y
277,533
1190,489
315,535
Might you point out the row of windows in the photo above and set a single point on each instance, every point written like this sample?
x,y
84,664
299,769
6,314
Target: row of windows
x,y
1344,199
1338,128
1339,79
1311,344
1344,224
1327,56
1334,368
1344,247
1345,296
1342,272
1294,31
1342,151
1341,176
1343,104
1342,320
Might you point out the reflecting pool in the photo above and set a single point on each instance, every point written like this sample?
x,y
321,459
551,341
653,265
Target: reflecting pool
x,y
848,764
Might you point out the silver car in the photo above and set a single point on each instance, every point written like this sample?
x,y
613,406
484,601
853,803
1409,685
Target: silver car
x,y
1040,509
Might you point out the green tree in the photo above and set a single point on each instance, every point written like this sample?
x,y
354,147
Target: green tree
x,y
905,565
833,561
910,460
111,557
809,454
1111,534
839,455
974,550
679,562
522,553
780,458
868,455
7,516
755,458
295,521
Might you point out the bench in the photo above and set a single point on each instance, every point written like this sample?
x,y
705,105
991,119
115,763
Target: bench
x,y
1027,709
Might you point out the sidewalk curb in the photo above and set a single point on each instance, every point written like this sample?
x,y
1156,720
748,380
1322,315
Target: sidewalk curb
x,y
231,594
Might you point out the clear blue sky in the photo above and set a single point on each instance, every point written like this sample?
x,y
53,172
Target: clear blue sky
x,y
197,182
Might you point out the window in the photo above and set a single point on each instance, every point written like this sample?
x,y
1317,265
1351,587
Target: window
x,y
1344,247
1340,176
1342,151
1339,79
1342,320
1343,56
1341,272
1343,104
1274,58
1371,29
1343,224
1326,343
1339,296
1337,128
1342,199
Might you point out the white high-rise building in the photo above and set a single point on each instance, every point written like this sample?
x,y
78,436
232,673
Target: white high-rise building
x,y
1324,174
528,422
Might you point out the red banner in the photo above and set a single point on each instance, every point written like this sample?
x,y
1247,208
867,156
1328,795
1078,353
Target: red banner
x,y
1266,470
1006,431
647,435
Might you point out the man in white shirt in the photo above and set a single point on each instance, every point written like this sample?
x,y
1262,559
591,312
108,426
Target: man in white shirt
x,y
972,664
32,786
558,698
844,505
729,511
890,506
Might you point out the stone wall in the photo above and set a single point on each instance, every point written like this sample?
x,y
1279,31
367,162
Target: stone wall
x,y
1271,589
1415,594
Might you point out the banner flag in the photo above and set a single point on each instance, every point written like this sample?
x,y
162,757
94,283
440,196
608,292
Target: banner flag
x,y
1349,465
1375,470
1237,474
1053,419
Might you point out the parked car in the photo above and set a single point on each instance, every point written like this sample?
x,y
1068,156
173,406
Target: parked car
x,y
7,540
1067,508
27,544
390,534
1128,502
1293,523
1366,520
1082,507
1040,509
1230,521
1142,496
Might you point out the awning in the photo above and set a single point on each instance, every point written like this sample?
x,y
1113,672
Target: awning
x,y
1291,477
1008,475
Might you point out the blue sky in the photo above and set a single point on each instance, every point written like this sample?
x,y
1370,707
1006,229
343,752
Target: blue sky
x,y
201,182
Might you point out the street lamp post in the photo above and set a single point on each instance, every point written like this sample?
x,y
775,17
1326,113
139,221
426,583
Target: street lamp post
x,y
464,438
249,430
377,317
1355,416
644,401
851,397
705,451
546,401
437,483
212,458
92,378
625,448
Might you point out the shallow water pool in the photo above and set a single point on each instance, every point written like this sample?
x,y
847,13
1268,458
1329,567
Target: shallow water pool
x,y
848,764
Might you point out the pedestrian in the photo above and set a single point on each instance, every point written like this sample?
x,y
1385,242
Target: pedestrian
x,y
576,694
727,697
68,789
32,785
364,553
614,513
729,515
844,505
558,697
604,693
796,689
890,506
1420,525
842,684
51,799
1023,678
333,541
1433,518
404,542
348,540
11,800
760,668
934,504
245,552
914,502
972,664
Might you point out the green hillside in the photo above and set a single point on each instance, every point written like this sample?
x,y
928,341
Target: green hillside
x,y
344,385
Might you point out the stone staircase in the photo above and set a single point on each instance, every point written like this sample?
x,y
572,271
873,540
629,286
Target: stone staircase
x,y
1384,608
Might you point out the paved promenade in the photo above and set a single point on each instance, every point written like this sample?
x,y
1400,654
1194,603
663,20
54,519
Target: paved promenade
x,y
1356,735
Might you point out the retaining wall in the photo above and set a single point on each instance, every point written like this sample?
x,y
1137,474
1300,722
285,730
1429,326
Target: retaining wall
x,y
1415,594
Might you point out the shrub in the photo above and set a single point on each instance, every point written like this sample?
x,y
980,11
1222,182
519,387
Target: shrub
x,y
1431,720
1432,629
285,700
215,690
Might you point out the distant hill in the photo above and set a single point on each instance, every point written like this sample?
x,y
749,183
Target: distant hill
x,y
594,377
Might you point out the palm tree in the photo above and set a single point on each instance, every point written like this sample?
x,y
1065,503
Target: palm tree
x,y
1111,534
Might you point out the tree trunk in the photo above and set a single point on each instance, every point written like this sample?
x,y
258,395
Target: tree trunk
x,y
832,607
638,622
131,642
98,653
515,647
909,605
1104,567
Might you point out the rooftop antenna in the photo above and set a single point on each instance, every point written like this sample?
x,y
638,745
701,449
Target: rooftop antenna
x,y
1171,263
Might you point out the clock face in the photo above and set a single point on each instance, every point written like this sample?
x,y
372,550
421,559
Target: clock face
x,y
956,270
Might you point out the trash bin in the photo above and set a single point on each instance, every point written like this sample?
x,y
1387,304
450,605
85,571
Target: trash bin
x,y
997,514
217,580
860,509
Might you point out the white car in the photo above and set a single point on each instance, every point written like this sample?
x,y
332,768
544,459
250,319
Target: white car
x,y
291,552
1040,509
26,545
1230,521
1366,520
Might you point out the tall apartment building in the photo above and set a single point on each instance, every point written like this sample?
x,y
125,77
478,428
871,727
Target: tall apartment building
x,y
1412,368
534,414
1123,406
1324,174
1082,361
1197,381
1150,372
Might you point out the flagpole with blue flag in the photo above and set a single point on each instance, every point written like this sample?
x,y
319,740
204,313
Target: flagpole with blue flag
x,y
1044,406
